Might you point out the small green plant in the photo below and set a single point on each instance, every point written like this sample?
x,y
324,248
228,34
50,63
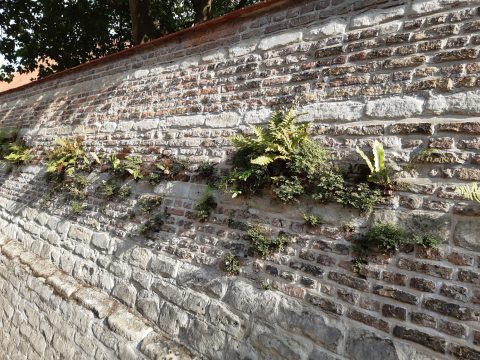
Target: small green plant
x,y
379,172
332,187
205,205
361,197
12,148
208,172
124,191
287,189
387,237
469,192
280,156
7,137
231,264
68,157
262,244
358,264
18,154
266,285
74,187
168,168
311,219
149,202
110,189
427,240
153,224
76,207
126,165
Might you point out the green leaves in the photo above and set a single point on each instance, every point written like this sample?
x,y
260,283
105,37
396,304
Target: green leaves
x,y
205,205
469,192
19,154
378,169
280,155
67,157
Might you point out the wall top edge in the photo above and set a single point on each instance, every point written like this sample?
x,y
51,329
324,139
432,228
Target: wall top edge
x,y
252,10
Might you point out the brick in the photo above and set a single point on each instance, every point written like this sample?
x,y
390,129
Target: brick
x,y
429,269
308,268
347,280
452,329
449,309
422,284
404,129
463,352
396,294
326,52
433,342
411,61
325,304
423,319
394,312
455,55
460,259
469,276
368,320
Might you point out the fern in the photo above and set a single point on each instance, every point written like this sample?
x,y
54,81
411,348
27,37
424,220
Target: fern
x,y
378,169
68,156
282,137
282,150
18,154
469,192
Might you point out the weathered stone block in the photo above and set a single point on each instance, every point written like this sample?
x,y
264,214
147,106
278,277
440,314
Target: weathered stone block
x,y
374,17
128,325
361,344
280,39
466,234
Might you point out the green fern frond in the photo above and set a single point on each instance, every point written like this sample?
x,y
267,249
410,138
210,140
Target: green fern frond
x,y
365,158
469,192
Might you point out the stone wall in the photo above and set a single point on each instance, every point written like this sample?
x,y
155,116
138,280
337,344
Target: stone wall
x,y
404,72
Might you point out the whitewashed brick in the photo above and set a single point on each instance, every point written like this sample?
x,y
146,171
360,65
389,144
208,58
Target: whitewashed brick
x,y
332,27
280,39
394,107
375,17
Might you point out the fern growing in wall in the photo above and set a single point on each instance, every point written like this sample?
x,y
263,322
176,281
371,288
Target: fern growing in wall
x,y
469,192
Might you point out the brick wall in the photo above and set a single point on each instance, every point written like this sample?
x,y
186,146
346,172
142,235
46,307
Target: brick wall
x,y
404,72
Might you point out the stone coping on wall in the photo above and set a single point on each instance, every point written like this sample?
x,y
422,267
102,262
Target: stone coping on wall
x,y
262,6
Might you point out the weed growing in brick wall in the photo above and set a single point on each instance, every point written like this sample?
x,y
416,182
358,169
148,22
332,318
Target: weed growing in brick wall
x,y
149,202
67,158
168,168
469,192
153,224
282,157
13,149
262,244
76,207
205,205
231,264
207,171
379,172
389,238
111,189
124,167
311,220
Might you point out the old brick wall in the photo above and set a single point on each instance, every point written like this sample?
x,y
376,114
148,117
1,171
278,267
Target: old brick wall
x,y
404,72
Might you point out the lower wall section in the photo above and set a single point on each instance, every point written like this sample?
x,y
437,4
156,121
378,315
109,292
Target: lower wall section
x,y
46,314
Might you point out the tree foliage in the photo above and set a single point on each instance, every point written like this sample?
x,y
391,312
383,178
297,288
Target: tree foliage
x,y
53,35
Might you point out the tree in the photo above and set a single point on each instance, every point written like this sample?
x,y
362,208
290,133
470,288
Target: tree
x,y
53,35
